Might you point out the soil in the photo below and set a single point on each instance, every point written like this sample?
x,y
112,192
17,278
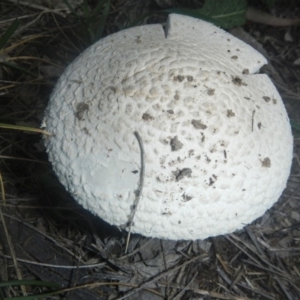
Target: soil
x,y
45,236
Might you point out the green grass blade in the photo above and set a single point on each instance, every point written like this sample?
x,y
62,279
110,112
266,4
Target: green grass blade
x,y
30,282
1,295
295,125
98,9
102,23
86,11
12,65
139,20
24,128
34,297
9,32
269,3
72,10
190,12
226,14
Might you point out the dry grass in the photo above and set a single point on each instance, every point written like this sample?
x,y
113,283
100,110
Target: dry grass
x,y
45,235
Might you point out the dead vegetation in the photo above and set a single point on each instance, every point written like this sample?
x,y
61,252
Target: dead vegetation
x,y
45,236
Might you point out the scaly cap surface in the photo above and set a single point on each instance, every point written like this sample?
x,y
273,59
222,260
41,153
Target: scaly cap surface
x,y
217,139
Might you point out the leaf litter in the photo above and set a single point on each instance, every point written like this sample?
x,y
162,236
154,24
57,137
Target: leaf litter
x,y
54,239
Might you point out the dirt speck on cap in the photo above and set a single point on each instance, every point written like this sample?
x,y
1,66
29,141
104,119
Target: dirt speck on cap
x,y
179,78
180,174
177,96
230,113
175,144
81,108
202,137
238,81
186,197
198,124
266,98
138,39
86,131
210,92
147,117
266,162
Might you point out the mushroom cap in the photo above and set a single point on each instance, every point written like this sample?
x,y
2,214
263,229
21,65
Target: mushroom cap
x,y
217,139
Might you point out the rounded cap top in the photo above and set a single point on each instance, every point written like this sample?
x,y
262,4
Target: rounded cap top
x,y
217,140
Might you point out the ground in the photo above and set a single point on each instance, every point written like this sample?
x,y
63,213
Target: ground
x,y
45,236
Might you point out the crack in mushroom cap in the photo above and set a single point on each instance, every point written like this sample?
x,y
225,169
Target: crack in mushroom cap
x,y
217,139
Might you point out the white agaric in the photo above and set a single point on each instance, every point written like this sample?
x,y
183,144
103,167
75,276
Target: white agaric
x,y
217,139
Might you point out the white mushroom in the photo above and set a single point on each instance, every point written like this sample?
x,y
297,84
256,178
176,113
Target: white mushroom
x,y
217,139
